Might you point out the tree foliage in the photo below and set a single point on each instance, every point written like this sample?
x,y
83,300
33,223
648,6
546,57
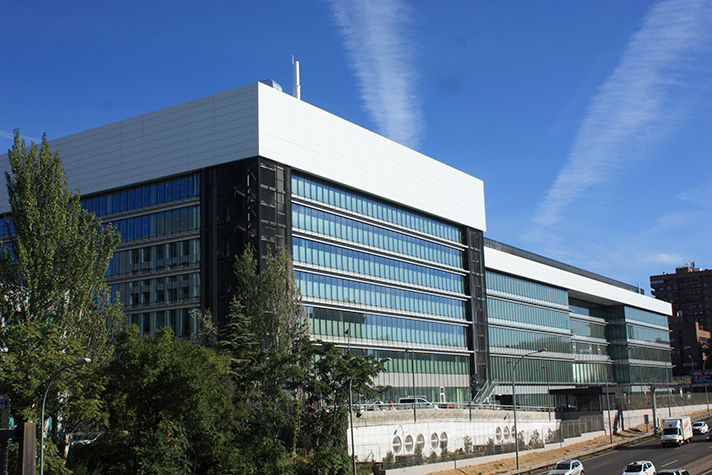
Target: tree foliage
x,y
170,410
55,306
266,336
291,392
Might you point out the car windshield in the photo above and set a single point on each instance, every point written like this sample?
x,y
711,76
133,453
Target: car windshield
x,y
563,466
634,468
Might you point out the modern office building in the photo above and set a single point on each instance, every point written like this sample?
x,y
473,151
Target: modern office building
x,y
388,249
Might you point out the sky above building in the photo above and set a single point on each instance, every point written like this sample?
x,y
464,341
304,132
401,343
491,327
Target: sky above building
x,y
590,122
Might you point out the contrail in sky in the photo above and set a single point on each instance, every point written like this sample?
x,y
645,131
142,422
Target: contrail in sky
x,y
377,39
637,105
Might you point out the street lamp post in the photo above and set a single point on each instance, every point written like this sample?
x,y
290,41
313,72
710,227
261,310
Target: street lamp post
x,y
704,380
79,362
669,391
608,408
514,400
548,389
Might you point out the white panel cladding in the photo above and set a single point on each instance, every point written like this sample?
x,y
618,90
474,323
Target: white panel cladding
x,y
216,129
233,125
307,138
496,260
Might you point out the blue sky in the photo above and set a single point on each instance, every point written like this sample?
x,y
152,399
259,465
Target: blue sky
x,y
590,122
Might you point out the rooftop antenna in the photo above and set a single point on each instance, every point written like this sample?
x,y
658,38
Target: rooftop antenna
x,y
296,89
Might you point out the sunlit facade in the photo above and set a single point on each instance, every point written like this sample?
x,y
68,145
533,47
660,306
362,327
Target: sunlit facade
x,y
388,249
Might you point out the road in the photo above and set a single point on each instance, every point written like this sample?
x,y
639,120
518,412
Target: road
x,y
663,458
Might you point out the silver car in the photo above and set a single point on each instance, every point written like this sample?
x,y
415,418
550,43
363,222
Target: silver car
x,y
567,467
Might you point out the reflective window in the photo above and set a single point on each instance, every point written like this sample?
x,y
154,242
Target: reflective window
x,y
517,312
183,321
636,314
127,199
329,322
590,372
153,292
528,340
325,255
314,190
152,257
588,329
525,288
346,229
647,334
531,370
361,293
159,224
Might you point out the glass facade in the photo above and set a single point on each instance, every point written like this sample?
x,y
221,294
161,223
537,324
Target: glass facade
x,y
144,196
529,340
393,278
525,317
305,251
382,328
335,289
155,270
587,328
520,288
516,312
339,198
371,236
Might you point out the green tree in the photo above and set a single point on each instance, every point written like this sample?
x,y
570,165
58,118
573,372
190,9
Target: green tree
x,y
267,338
325,417
55,306
170,410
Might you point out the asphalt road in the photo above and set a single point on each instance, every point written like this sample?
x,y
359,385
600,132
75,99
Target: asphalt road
x,y
663,458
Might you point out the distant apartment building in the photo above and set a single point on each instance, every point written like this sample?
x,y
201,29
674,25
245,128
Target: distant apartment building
x,y
688,292
690,323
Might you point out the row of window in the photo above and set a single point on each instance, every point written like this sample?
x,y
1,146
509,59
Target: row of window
x,y
327,224
425,363
585,348
170,255
521,313
528,340
525,288
361,293
158,291
339,198
326,255
329,322
587,329
619,352
587,373
638,315
165,191
453,394
531,370
632,332
159,224
180,320
641,374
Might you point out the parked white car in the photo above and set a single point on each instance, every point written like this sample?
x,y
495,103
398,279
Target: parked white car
x,y
567,467
640,467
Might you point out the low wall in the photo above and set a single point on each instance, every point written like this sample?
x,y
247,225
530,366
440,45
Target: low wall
x,y
455,464
375,431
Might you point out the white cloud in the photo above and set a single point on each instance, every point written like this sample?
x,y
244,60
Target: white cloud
x,y
377,40
638,105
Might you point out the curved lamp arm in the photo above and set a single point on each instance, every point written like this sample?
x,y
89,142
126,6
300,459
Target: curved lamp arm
x,y
79,362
